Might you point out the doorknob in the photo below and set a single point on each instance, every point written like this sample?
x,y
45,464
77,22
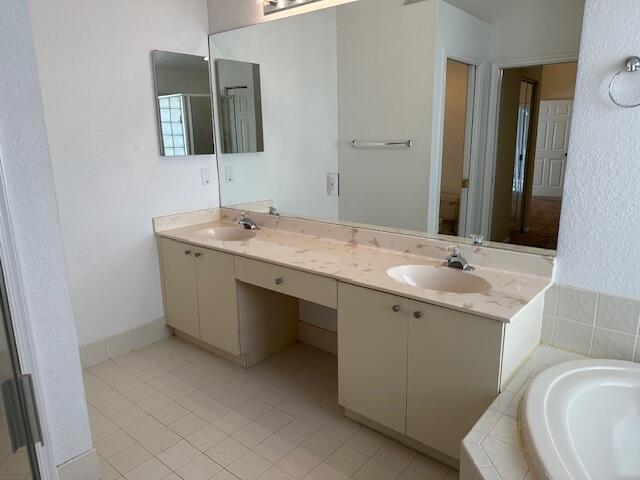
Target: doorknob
x,y
417,314
198,255
279,281
396,308
187,252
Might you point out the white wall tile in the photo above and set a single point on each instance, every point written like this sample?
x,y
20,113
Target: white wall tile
x,y
551,300
577,305
621,314
612,344
573,336
548,325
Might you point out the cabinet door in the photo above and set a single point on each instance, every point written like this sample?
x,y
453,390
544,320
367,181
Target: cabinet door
x,y
179,273
372,355
454,370
217,300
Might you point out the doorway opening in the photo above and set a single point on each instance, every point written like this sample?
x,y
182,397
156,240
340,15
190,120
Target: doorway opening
x,y
460,89
536,104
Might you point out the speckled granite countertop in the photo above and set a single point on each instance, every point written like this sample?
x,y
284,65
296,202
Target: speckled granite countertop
x,y
365,264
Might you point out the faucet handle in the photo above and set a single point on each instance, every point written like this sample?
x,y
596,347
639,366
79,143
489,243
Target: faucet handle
x,y
453,250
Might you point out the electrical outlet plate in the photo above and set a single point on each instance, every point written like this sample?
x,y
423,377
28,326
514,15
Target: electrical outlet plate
x,y
273,6
333,184
205,174
228,174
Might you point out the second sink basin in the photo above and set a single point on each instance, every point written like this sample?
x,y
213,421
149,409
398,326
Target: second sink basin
x,y
441,279
227,234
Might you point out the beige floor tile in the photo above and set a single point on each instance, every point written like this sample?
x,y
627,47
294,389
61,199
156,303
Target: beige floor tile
x,y
274,419
114,443
235,398
114,404
224,475
251,435
367,441
254,408
231,422
194,401
129,458
170,413
143,427
152,469
395,456
107,472
165,381
373,470
249,466
424,468
160,440
179,390
155,402
298,463
128,416
206,438
326,472
187,425
274,473
341,428
275,395
140,393
178,455
320,445
200,468
212,411
274,448
227,451
296,432
347,460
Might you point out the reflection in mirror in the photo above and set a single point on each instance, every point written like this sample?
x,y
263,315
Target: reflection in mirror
x,y
483,89
185,116
239,106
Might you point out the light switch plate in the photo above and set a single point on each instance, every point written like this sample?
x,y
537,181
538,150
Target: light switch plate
x,y
205,174
333,184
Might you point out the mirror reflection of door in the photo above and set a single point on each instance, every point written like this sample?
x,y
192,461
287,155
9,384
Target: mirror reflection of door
x,y
533,137
456,147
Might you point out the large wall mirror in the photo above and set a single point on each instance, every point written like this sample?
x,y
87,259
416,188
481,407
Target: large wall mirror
x,y
183,96
441,117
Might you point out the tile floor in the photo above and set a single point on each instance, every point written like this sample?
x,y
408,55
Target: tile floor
x,y
172,411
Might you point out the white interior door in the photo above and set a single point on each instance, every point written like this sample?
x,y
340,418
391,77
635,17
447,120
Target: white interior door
x,y
552,144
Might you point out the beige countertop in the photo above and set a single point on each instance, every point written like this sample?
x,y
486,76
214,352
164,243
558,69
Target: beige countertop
x,y
366,265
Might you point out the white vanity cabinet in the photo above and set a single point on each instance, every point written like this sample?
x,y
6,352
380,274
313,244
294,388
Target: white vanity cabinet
x,y
200,294
423,371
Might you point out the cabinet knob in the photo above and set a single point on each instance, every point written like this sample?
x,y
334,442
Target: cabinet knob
x,y
396,308
187,252
197,254
417,314
279,281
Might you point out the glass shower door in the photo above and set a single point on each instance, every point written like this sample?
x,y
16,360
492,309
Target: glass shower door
x,y
19,429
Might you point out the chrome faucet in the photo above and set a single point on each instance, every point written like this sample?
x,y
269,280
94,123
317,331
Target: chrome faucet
x,y
457,261
247,222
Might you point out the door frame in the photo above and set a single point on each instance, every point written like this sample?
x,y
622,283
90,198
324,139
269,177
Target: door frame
x,y
22,328
495,89
435,164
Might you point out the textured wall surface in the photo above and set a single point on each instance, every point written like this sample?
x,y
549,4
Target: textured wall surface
x,y
34,218
94,60
600,226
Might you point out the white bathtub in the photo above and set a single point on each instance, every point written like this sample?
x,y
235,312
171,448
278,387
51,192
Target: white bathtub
x,y
581,420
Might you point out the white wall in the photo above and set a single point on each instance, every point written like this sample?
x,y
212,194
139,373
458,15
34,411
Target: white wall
x,y
299,111
34,219
599,230
94,59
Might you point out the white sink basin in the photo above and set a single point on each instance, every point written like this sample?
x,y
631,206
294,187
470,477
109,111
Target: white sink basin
x,y
441,279
227,234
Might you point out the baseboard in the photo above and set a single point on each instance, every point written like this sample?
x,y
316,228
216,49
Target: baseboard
x,y
318,337
125,342
82,467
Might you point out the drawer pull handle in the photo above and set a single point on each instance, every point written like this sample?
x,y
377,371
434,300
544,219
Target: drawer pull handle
x,y
187,252
198,255
417,314
396,308
279,281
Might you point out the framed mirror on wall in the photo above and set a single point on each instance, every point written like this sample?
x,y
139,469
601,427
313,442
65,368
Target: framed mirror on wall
x,y
439,117
183,99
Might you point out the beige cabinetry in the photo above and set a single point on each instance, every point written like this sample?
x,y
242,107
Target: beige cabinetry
x,y
372,354
200,294
453,374
180,292
423,371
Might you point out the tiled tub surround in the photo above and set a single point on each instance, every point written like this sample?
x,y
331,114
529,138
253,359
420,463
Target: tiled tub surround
x,y
591,323
493,450
362,257
172,411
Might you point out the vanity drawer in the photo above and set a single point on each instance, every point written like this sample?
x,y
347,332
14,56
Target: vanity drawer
x,y
306,286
